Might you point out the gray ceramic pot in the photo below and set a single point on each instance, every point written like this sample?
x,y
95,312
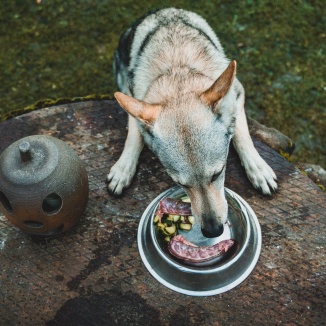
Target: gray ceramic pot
x,y
43,185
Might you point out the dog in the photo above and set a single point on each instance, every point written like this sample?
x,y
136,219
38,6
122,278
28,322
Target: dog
x,y
185,103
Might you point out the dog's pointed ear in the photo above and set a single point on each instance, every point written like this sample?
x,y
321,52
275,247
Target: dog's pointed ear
x,y
146,113
221,86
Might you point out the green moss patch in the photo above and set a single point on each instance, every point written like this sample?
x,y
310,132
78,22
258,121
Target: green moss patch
x,y
64,49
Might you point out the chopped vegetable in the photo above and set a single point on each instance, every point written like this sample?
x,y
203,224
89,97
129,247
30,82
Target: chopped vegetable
x,y
175,218
170,229
169,222
185,199
185,226
191,219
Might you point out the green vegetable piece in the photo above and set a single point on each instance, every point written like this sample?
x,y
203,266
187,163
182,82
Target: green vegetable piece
x,y
176,218
156,218
185,226
191,219
170,229
165,232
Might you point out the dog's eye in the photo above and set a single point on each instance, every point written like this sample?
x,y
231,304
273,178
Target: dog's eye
x,y
216,175
178,183
184,186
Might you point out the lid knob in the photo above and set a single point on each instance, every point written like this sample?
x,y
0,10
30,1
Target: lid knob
x,y
25,151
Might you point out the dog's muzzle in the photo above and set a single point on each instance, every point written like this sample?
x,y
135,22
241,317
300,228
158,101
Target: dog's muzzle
x,y
211,228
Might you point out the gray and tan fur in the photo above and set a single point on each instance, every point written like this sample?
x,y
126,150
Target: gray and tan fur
x,y
186,104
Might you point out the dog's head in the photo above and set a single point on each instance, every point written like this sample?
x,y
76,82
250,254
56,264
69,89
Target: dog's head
x,y
191,135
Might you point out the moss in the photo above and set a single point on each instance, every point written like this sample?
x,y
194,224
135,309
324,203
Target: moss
x,y
50,102
285,155
321,186
64,49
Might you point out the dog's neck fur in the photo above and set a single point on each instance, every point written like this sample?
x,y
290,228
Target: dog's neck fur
x,y
171,59
171,84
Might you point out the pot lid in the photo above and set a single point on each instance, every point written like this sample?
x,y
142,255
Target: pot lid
x,y
29,160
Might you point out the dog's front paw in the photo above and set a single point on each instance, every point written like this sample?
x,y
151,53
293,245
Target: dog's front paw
x,y
260,174
120,177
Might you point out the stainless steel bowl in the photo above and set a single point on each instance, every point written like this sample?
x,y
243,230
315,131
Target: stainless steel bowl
x,y
208,278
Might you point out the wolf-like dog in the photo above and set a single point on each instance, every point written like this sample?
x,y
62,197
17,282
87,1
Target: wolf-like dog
x,y
186,104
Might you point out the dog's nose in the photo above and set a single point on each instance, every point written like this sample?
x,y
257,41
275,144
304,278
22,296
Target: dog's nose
x,y
212,232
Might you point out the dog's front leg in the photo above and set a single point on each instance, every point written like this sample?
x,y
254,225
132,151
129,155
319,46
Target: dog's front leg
x,y
123,170
258,171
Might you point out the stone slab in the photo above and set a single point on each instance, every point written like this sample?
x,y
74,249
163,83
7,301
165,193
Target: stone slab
x,y
93,274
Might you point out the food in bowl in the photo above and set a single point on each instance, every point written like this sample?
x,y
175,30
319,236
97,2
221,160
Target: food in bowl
x,y
173,215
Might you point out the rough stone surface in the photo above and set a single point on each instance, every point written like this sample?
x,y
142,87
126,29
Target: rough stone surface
x,y
93,274
272,137
315,172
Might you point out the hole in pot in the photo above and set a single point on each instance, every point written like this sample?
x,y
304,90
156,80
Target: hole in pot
x,y
5,202
52,204
33,224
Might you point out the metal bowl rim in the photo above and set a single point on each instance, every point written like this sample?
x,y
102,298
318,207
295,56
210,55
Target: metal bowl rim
x,y
180,267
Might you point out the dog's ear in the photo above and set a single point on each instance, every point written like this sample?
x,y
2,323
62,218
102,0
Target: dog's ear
x,y
146,113
221,86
